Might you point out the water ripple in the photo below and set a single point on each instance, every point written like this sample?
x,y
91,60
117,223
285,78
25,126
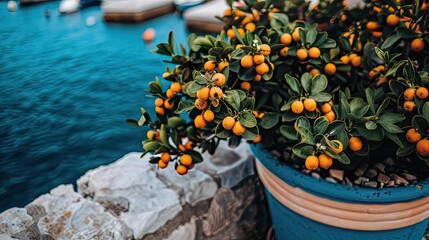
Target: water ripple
x,y
65,91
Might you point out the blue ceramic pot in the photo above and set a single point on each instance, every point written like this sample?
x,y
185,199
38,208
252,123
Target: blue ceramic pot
x,y
306,208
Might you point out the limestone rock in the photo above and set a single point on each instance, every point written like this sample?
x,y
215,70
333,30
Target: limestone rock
x,y
6,237
133,180
236,213
187,231
69,215
14,220
193,187
229,166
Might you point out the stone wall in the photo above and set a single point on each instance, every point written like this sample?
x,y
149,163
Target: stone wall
x,y
130,199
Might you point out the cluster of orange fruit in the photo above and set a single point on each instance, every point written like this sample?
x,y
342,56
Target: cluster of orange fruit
x,y
213,91
258,59
249,21
310,105
411,93
163,105
186,162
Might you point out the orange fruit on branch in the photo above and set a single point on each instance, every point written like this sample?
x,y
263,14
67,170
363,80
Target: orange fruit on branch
x,y
203,93
422,147
228,122
330,69
238,129
286,39
186,160
314,52
422,92
265,49
162,164
182,170
339,147
262,69
409,94
325,161
208,115
258,59
301,54
311,162
209,65
409,105
413,136
355,144
310,104
199,122
417,45
246,61
297,107
219,79
165,157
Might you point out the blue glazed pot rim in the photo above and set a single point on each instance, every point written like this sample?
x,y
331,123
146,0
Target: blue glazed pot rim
x,y
323,188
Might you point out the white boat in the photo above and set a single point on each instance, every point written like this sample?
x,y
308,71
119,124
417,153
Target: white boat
x,y
182,5
71,6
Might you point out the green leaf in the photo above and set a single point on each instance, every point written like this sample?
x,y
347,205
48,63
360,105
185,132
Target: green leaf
x,y
196,156
202,41
370,125
306,135
344,159
293,83
329,43
421,124
394,138
175,122
191,39
344,109
321,97
237,35
194,87
234,141
425,110
155,88
370,99
248,119
302,150
405,150
390,41
372,135
319,83
184,106
311,36
383,106
391,128
151,146
250,133
335,128
288,132
247,74
132,122
222,132
233,99
163,134
320,125
306,82
269,120
390,117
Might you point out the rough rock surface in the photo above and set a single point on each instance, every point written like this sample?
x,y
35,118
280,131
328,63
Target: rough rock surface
x,y
130,199
229,167
150,202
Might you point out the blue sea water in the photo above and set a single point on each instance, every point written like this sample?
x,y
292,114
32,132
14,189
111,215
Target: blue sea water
x,y
65,92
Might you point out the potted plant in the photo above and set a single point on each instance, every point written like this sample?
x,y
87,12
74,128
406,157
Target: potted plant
x,y
335,98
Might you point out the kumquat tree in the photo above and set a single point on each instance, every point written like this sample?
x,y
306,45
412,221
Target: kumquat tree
x,y
328,84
